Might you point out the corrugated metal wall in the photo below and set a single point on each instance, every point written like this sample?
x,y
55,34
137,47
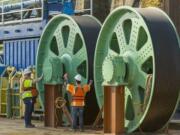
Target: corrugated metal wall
x,y
20,53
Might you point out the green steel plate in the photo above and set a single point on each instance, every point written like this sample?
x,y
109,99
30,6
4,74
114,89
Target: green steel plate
x,y
67,45
147,42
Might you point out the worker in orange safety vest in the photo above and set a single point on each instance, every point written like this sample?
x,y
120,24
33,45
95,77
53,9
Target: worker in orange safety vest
x,y
78,93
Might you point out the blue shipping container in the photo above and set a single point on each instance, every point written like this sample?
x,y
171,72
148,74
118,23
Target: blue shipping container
x,y
20,53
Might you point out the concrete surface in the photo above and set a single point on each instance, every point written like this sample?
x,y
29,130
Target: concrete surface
x,y
16,127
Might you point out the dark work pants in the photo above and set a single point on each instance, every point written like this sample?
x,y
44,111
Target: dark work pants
x,y
28,110
77,112
33,102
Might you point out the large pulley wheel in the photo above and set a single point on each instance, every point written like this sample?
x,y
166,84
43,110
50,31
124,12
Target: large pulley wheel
x,y
67,45
142,46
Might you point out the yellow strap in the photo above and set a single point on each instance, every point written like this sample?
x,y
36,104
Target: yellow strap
x,y
74,103
26,94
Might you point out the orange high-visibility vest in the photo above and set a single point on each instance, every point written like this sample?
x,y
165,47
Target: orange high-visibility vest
x,y
78,94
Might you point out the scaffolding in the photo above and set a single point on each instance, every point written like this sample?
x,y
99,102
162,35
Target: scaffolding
x,y
19,11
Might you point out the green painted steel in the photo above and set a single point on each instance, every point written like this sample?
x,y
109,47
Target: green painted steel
x,y
67,45
110,70
132,46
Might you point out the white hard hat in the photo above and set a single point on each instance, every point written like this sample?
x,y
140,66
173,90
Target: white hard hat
x,y
27,71
78,77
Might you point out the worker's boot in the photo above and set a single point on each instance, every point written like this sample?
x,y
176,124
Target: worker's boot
x,y
30,126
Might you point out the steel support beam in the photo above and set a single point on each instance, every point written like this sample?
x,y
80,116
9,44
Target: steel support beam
x,y
51,93
114,110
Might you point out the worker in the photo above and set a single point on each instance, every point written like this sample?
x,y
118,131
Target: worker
x,y
78,93
28,96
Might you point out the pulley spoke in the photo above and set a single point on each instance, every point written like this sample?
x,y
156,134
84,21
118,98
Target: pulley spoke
x,y
52,54
142,79
112,53
137,100
145,53
121,38
79,57
60,42
71,39
134,33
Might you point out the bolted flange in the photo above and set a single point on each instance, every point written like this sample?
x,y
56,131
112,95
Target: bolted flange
x,y
52,70
114,70
67,62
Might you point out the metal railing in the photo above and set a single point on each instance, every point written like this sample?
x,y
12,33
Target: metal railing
x,y
20,11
